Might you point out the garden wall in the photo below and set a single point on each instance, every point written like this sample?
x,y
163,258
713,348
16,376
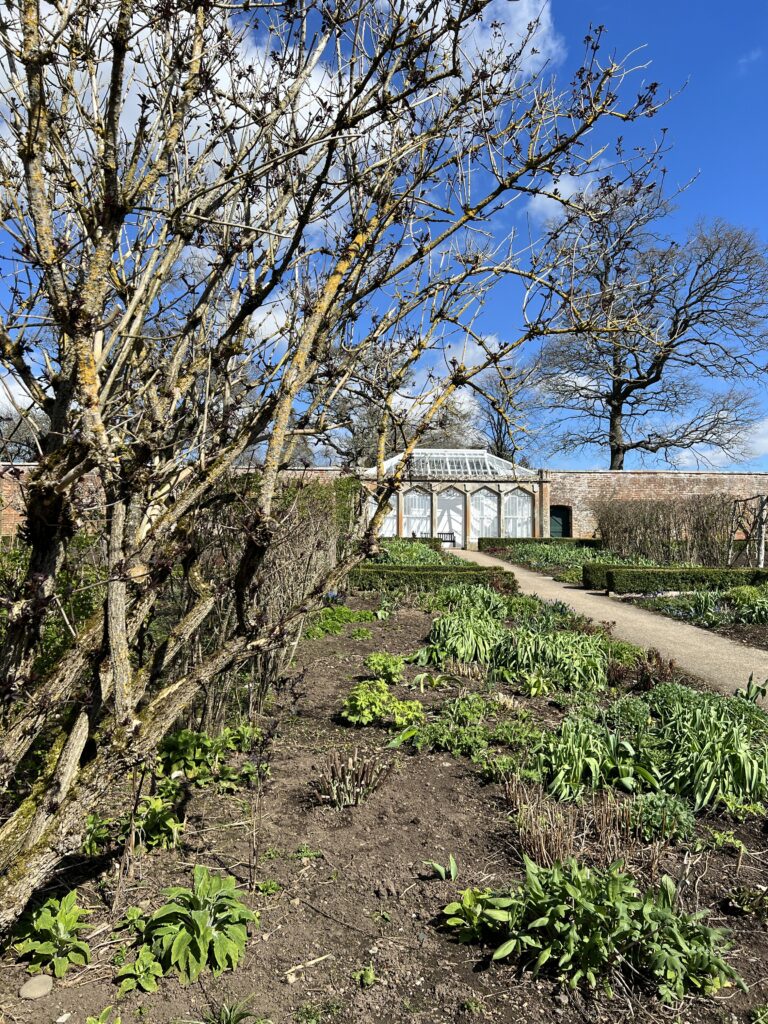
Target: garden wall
x,y
578,489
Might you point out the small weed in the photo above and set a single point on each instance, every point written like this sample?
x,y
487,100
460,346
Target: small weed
x,y
444,872
269,887
366,976
751,899
105,1017
305,852
361,634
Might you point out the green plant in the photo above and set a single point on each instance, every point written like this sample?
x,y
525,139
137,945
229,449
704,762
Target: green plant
x,y
366,976
142,974
49,936
444,872
156,823
105,1017
389,667
331,620
371,703
535,683
205,926
98,834
723,840
202,759
577,661
269,887
466,636
367,703
585,925
759,1015
662,816
348,782
751,899
305,852
583,753
231,1013
632,580
753,691
468,597
316,1013
361,634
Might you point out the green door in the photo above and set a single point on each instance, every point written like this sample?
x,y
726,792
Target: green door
x,y
559,521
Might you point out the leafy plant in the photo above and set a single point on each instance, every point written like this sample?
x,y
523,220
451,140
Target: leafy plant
x,y
232,1013
466,636
662,816
753,691
361,634
348,782
269,887
759,1015
49,936
202,759
142,974
444,872
585,754
156,823
578,661
98,834
751,899
585,925
389,667
205,926
535,683
330,621
366,976
371,703
105,1017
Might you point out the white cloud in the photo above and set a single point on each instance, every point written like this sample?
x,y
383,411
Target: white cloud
x,y
546,207
751,57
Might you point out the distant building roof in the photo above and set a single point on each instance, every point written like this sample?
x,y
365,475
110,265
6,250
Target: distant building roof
x,y
455,464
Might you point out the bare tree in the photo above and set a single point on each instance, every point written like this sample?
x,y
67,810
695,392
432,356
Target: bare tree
x,y
679,326
504,404
212,215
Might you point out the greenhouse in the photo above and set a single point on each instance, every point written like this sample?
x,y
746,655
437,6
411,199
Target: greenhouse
x,y
460,495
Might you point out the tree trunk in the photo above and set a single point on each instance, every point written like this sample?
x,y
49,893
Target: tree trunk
x,y
616,438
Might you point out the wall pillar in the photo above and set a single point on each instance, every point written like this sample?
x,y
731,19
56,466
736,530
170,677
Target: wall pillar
x,y
543,505
433,510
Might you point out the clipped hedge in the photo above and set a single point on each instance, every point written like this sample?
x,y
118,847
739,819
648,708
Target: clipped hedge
x,y
638,580
594,575
428,577
497,543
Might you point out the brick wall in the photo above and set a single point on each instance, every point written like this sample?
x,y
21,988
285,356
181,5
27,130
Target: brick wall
x,y
11,503
577,489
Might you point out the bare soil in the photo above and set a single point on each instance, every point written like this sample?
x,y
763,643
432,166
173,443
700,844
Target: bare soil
x,y
355,889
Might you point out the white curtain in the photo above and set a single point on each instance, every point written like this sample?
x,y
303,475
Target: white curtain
x,y
518,514
417,513
485,514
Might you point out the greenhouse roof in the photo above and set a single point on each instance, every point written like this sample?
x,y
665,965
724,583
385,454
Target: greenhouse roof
x,y
455,464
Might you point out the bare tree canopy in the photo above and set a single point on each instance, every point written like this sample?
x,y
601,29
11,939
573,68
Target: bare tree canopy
x,y
679,327
218,220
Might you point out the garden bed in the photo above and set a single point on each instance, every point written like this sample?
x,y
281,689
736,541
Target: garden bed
x,y
353,886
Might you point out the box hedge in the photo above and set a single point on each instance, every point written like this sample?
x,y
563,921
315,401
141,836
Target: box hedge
x,y
594,575
428,577
639,580
498,543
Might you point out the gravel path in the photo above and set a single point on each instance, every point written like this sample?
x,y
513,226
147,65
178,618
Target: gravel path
x,y
720,662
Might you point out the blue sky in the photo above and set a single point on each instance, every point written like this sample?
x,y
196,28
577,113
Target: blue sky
x,y
716,57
